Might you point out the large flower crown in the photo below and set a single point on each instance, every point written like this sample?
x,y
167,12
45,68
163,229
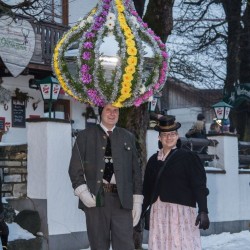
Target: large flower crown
x,y
137,70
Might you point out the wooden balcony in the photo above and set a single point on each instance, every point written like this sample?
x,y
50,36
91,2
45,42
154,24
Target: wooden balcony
x,y
46,35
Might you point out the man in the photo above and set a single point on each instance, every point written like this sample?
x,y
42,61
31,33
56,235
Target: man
x,y
106,177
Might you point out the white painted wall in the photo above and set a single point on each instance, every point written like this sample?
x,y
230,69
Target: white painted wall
x,y
19,135
224,197
49,147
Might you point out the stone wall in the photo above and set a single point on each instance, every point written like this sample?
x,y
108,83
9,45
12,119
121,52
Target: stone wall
x,y
13,170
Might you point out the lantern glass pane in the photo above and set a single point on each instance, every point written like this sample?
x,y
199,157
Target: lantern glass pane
x,y
227,111
219,112
56,90
46,90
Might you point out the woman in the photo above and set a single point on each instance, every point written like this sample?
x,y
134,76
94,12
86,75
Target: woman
x,y
174,223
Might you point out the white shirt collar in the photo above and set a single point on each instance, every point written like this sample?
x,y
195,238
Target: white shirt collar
x,y
105,129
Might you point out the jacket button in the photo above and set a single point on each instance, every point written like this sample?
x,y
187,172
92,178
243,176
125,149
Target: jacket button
x,y
103,148
98,182
101,170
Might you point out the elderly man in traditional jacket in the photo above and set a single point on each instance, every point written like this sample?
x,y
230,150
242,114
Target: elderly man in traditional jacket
x,y
106,176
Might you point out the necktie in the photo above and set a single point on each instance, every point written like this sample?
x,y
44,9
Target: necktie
x,y
109,132
109,170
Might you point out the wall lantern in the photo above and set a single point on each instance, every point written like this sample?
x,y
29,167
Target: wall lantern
x,y
49,88
222,110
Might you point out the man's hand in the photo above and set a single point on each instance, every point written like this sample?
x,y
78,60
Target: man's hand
x,y
85,196
137,207
202,220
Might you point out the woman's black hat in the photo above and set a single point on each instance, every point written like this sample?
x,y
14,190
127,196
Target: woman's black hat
x,y
167,123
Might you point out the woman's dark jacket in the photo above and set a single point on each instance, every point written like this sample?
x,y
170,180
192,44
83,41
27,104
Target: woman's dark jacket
x,y
183,181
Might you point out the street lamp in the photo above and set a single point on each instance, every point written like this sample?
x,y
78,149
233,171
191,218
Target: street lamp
x,y
50,89
222,110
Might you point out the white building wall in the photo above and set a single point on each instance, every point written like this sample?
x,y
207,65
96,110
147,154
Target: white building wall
x,y
48,178
19,135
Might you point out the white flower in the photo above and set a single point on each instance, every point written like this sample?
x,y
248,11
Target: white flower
x,y
110,24
134,21
90,19
142,89
82,23
111,16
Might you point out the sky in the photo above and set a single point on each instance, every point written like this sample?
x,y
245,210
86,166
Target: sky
x,y
224,241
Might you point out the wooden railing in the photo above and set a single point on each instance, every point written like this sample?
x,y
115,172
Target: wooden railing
x,y
46,35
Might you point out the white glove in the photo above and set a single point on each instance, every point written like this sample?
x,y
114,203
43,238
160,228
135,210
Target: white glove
x,y
85,196
137,207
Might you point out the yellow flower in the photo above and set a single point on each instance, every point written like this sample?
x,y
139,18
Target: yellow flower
x,y
126,84
131,50
122,23
126,28
130,42
121,18
125,91
120,8
127,77
132,60
130,69
122,98
117,104
128,33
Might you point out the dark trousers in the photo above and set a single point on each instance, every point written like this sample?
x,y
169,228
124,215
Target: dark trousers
x,y
110,224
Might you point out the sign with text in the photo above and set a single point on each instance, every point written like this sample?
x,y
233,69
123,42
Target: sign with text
x,y
17,43
18,114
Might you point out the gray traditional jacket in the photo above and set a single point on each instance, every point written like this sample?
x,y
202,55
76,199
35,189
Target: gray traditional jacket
x,y
91,143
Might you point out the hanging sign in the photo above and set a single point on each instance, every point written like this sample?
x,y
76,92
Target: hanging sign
x,y
18,114
17,43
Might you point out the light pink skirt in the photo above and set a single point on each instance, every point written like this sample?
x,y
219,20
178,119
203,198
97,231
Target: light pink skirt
x,y
172,227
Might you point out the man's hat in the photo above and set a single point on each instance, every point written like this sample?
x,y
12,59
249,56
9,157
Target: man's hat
x,y
167,124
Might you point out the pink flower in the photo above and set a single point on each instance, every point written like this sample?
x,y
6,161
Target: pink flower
x,y
164,54
89,35
157,38
85,68
145,25
86,78
104,13
157,86
93,95
148,94
88,45
106,6
86,55
163,46
151,32
138,102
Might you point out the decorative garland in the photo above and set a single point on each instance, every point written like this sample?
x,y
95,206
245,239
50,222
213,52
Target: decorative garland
x,y
129,83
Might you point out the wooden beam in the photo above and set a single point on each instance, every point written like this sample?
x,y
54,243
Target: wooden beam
x,y
65,12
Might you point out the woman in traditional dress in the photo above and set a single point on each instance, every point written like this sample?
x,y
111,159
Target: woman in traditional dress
x,y
174,222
